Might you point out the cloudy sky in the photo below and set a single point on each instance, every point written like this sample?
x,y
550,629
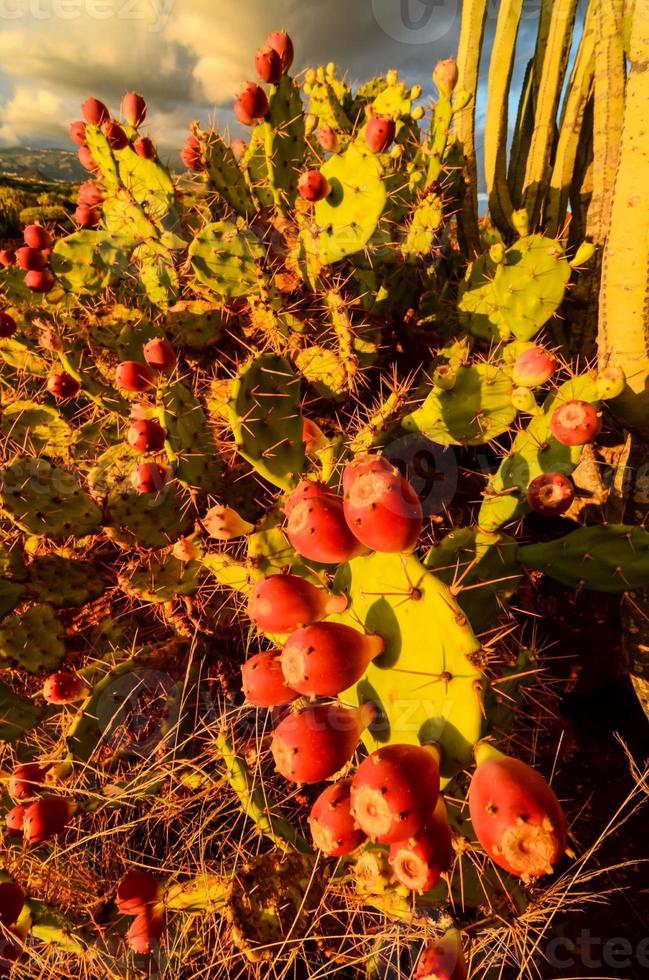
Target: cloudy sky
x,y
188,56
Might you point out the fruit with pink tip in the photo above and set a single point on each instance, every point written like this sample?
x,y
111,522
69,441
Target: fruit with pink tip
x,y
37,237
133,109
379,133
87,217
160,355
268,65
7,325
251,104
327,137
134,376
445,76
27,780
77,132
46,818
283,603
149,477
515,814
317,742
419,862
117,138
30,259
333,828
395,791
280,42
95,112
145,931
62,385
263,682
316,525
575,423
40,280
380,506
146,435
312,185
87,160
238,147
533,367
191,154
144,148
324,659
137,892
550,494
64,687
224,523
442,959
90,194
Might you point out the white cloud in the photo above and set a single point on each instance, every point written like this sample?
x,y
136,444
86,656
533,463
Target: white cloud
x,y
31,111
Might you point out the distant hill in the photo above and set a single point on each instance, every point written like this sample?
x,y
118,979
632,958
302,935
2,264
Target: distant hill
x,y
46,164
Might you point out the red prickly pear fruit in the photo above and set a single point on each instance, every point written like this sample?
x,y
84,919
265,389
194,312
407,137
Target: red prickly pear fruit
x,y
317,742
160,355
280,42
137,891
268,65
224,524
133,109
395,791
515,814
251,104
87,160
575,423
7,257
30,259
77,132
191,154
380,506
146,435
262,681
62,385
283,603
87,217
27,781
333,829
90,194
117,138
134,376
445,76
145,931
149,477
442,959
316,525
533,367
7,325
327,137
324,659
419,862
64,687
14,820
40,280
312,185
144,148
45,818
12,899
379,133
37,237
95,112
238,147
550,494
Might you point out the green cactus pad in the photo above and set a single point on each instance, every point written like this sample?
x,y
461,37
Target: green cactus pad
x,y
11,594
606,558
32,640
196,324
225,259
21,357
517,295
151,185
481,569
349,216
126,220
63,581
157,274
323,369
87,261
424,684
534,451
162,579
41,428
477,409
190,438
46,500
423,227
266,420
329,99
284,141
150,520
225,176
17,715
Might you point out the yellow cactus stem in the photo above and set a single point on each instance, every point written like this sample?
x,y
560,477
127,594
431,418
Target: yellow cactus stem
x,y
474,16
623,338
